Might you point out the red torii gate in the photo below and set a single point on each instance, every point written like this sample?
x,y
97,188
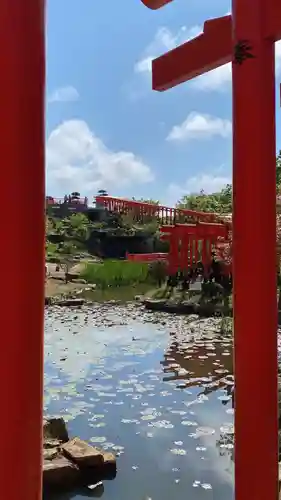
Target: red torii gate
x,y
184,244
22,146
247,39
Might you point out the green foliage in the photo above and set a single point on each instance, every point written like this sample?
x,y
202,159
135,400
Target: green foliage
x,y
60,252
77,226
148,200
73,233
114,273
220,202
51,248
151,227
67,248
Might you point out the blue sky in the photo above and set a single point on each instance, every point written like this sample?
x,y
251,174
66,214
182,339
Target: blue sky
x,y
106,128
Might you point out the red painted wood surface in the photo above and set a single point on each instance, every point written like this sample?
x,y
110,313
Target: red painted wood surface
x,y
184,242
155,4
207,51
22,62
146,257
254,257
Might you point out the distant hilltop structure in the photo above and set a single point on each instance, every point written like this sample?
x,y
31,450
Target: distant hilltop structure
x,y
75,203
74,199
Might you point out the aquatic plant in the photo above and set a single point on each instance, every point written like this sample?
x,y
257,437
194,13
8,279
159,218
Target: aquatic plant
x,y
114,273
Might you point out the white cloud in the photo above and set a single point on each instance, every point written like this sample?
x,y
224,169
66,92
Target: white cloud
x,y
208,182
64,94
218,79
199,126
77,160
164,41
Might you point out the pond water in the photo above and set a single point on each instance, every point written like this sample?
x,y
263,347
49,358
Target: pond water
x,y
155,389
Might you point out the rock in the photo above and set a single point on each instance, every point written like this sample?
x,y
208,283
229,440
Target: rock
x,y
108,458
51,443
70,302
71,276
55,429
79,281
50,453
71,463
60,473
82,453
108,469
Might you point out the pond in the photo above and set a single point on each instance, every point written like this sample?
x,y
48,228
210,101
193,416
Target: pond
x,y
155,389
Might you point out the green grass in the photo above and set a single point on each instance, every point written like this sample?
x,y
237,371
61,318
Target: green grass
x,y
115,273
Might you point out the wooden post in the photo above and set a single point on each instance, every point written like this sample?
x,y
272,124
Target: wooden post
x,y
22,146
254,255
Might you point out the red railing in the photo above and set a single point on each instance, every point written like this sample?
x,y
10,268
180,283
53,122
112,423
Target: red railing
x,y
146,257
141,211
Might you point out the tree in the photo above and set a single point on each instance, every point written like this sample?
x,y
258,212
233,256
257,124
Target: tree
x,y
75,196
102,192
150,201
76,227
220,202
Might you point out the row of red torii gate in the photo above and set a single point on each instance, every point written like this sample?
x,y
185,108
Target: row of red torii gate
x,y
193,236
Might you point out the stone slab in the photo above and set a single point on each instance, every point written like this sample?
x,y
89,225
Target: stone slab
x,y
60,473
82,453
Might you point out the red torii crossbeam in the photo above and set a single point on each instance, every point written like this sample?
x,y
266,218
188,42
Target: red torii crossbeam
x,y
247,40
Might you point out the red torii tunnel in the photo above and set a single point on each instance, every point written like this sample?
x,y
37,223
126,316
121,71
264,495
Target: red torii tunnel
x,y
246,38
190,243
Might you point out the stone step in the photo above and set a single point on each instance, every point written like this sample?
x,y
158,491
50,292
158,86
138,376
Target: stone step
x,y
68,463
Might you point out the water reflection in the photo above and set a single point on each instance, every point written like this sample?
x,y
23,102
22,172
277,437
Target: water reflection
x,y
82,493
155,389
204,363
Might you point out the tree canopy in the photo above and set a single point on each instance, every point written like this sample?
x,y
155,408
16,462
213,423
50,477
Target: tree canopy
x,y
148,200
220,202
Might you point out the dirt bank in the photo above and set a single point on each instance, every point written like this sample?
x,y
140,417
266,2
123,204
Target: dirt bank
x,y
55,287
55,282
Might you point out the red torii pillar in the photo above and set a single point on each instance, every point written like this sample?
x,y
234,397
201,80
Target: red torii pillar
x,y
22,87
247,39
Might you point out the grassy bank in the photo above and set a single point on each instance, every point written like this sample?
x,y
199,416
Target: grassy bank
x,y
115,273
